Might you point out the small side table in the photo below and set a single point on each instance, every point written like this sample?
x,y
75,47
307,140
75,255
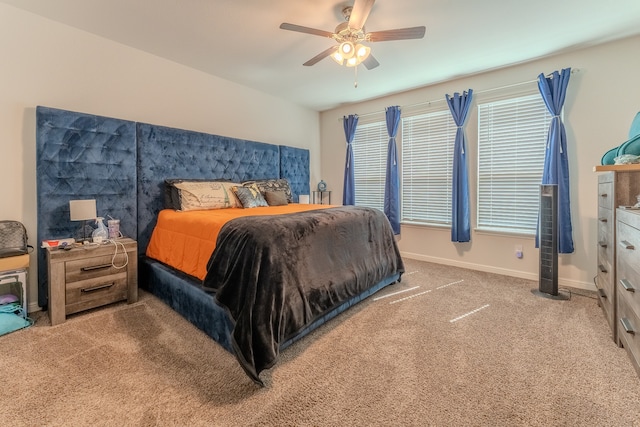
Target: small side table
x,y
319,197
86,277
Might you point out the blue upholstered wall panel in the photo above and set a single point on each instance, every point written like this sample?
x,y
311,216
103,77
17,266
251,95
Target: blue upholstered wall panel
x,y
294,166
165,153
82,156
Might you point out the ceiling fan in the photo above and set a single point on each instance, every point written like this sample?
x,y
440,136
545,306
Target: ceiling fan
x,y
350,35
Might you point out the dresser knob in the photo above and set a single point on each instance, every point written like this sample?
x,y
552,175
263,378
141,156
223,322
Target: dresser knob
x,y
602,268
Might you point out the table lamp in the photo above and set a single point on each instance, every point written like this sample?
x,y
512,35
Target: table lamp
x,y
82,210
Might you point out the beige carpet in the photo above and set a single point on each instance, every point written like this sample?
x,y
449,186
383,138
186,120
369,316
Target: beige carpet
x,y
465,348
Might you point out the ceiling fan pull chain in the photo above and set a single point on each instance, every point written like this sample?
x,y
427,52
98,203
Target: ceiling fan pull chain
x,y
355,82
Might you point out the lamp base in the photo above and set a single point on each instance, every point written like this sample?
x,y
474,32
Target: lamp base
x,y
83,234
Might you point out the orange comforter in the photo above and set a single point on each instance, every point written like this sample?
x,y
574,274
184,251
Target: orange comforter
x,y
186,240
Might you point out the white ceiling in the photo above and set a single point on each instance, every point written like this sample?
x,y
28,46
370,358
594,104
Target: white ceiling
x,y
239,40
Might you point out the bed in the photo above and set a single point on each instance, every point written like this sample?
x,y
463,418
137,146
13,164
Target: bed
x,y
137,159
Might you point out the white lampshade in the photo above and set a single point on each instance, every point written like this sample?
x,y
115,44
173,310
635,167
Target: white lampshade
x,y
303,199
80,210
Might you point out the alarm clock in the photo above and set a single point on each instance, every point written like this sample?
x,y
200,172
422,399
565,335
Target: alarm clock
x,y
322,186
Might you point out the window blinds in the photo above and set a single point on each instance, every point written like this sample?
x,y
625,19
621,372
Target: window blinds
x,y
512,137
427,162
370,163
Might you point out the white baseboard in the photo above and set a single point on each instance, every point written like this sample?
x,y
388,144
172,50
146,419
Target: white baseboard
x,y
574,284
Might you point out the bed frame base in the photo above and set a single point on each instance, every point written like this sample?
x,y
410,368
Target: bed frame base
x,y
184,294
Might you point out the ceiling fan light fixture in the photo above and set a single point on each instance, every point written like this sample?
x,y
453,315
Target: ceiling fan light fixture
x,y
338,58
349,35
353,61
347,50
362,52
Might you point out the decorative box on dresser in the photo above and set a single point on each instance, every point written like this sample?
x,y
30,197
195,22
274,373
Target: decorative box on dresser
x,y
90,276
619,185
628,282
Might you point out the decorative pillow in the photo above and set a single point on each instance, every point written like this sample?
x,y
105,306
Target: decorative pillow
x,y
172,193
276,198
265,185
250,197
199,195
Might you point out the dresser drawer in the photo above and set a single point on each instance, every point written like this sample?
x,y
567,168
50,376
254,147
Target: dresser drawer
x,y
629,288
628,331
628,244
605,195
606,251
605,223
606,298
97,266
94,292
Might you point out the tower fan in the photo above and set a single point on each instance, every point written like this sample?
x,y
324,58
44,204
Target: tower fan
x,y
548,243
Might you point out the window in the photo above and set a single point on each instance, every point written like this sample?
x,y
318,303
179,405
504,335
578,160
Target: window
x,y
512,136
370,164
427,164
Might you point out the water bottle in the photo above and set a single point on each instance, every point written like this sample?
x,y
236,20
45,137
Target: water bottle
x,y
99,234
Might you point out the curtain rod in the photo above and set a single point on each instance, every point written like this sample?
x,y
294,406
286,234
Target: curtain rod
x,y
573,70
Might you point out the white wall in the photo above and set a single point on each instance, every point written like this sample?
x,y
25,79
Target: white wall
x,y
46,63
602,100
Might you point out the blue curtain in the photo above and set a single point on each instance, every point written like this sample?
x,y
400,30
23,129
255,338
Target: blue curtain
x,y
392,181
556,163
459,106
349,190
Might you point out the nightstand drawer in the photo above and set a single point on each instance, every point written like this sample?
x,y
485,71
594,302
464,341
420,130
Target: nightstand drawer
x,y
97,266
94,292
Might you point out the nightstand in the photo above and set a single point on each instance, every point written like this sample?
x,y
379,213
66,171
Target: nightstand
x,y
319,197
88,276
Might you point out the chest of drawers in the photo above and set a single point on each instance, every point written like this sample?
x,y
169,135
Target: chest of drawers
x,y
618,186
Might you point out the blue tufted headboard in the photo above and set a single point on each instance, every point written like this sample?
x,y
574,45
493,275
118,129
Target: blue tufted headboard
x,y
165,153
123,165
294,166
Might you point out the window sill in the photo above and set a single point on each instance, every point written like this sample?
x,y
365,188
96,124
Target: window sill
x,y
425,225
505,233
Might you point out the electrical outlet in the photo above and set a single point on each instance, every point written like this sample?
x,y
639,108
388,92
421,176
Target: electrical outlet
x,y
519,253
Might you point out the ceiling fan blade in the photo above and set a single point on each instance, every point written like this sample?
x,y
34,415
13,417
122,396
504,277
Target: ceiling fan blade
x,y
397,34
360,13
370,63
307,30
321,56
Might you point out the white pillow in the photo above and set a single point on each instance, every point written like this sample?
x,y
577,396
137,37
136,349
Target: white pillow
x,y
199,195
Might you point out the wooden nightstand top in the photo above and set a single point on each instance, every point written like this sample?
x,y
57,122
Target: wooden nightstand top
x,y
55,254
